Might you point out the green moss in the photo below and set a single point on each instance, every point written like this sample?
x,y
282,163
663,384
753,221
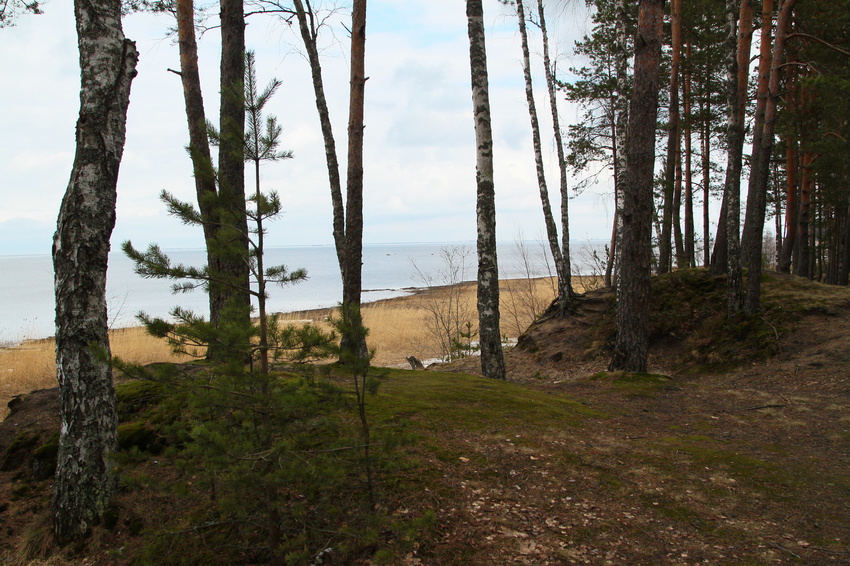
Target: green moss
x,y
138,435
44,458
440,400
767,477
133,396
17,450
634,384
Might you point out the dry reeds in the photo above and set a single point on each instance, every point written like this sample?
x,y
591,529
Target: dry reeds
x,y
398,328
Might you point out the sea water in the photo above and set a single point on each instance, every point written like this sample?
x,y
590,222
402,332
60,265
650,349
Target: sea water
x,y
389,270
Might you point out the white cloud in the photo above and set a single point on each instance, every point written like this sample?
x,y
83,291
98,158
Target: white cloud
x,y
419,171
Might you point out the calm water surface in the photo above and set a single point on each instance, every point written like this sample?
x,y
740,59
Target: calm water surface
x,y
26,282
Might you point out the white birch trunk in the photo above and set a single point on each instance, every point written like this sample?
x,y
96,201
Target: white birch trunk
x,y
490,340
88,420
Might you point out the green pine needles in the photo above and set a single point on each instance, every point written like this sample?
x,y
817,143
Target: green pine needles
x,y
270,446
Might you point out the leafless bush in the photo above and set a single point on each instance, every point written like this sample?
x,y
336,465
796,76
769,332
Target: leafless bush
x,y
590,265
449,319
524,299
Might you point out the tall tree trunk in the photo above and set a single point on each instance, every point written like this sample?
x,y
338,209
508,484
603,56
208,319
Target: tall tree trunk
x,y
621,120
678,238
232,236
665,254
705,139
762,154
309,35
783,265
762,94
88,431
844,272
633,286
720,253
565,288
199,146
803,254
738,51
492,357
690,238
551,228
352,272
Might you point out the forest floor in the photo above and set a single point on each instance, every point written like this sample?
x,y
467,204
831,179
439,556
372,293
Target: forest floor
x,y
735,449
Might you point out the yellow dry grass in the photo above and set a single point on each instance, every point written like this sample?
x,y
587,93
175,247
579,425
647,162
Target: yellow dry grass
x,y
397,329
32,364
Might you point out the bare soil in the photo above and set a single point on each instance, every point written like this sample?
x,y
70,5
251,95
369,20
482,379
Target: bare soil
x,y
683,466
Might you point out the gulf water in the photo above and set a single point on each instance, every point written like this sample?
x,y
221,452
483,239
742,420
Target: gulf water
x,y
389,270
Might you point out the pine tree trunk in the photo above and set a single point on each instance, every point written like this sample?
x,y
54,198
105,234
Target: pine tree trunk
x,y
803,254
633,286
199,146
352,272
233,236
665,255
762,154
783,265
705,139
549,221
754,201
690,238
492,357
88,429
844,272
678,238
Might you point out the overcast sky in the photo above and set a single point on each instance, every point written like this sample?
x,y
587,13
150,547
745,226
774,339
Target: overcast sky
x,y
419,138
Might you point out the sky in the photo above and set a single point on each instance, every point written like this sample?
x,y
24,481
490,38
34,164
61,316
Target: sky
x,y
419,154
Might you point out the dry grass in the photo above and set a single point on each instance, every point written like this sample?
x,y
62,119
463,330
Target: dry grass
x,y
397,329
32,365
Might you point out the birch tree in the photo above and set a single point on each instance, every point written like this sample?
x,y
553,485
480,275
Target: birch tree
x,y
551,84
88,419
737,57
560,259
492,357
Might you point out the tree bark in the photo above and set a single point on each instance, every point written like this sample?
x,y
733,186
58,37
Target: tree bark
x,y
199,146
561,269
844,272
791,214
621,69
762,93
690,259
762,153
633,286
490,340
232,239
665,255
88,429
352,271
802,255
739,40
705,138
